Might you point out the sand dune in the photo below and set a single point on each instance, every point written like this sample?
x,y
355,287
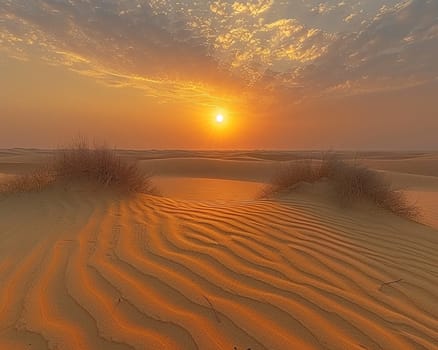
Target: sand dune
x,y
207,266
80,271
205,189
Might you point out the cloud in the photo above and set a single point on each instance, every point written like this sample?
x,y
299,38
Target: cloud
x,y
123,43
219,51
397,49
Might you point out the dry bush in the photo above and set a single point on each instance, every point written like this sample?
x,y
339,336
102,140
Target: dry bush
x,y
32,182
100,165
289,176
79,162
352,182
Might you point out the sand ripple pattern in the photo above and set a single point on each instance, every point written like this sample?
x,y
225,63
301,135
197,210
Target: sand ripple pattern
x,y
81,272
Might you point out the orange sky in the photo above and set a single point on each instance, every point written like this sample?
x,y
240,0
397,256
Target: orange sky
x,y
139,74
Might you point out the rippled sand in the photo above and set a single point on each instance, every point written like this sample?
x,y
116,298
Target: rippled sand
x,y
83,269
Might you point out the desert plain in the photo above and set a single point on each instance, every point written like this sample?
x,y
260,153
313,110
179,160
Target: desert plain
x,y
208,265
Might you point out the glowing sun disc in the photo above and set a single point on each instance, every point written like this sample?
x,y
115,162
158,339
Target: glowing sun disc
x,y
219,118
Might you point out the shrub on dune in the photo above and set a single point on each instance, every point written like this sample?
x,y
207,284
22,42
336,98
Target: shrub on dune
x,y
81,163
291,175
34,181
352,183
102,166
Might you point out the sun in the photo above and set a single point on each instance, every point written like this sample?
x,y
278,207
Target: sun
x,y
220,118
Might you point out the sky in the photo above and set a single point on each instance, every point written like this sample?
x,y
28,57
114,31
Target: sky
x,y
301,74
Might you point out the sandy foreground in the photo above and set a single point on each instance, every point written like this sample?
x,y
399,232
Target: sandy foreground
x,y
207,266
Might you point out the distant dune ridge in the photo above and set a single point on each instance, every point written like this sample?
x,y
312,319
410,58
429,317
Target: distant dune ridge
x,y
81,270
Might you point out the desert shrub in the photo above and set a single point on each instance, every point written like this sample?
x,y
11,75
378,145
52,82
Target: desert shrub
x,y
32,182
80,162
352,183
290,175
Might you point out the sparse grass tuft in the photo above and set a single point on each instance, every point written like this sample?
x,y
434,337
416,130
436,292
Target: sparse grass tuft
x,y
32,182
100,165
79,162
289,176
352,182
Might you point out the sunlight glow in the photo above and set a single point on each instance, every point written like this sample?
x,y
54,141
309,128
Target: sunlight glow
x,y
219,118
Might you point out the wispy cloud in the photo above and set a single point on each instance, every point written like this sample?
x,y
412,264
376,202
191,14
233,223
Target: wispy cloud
x,y
396,49
214,52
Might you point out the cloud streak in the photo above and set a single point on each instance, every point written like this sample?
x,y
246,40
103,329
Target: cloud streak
x,y
219,52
